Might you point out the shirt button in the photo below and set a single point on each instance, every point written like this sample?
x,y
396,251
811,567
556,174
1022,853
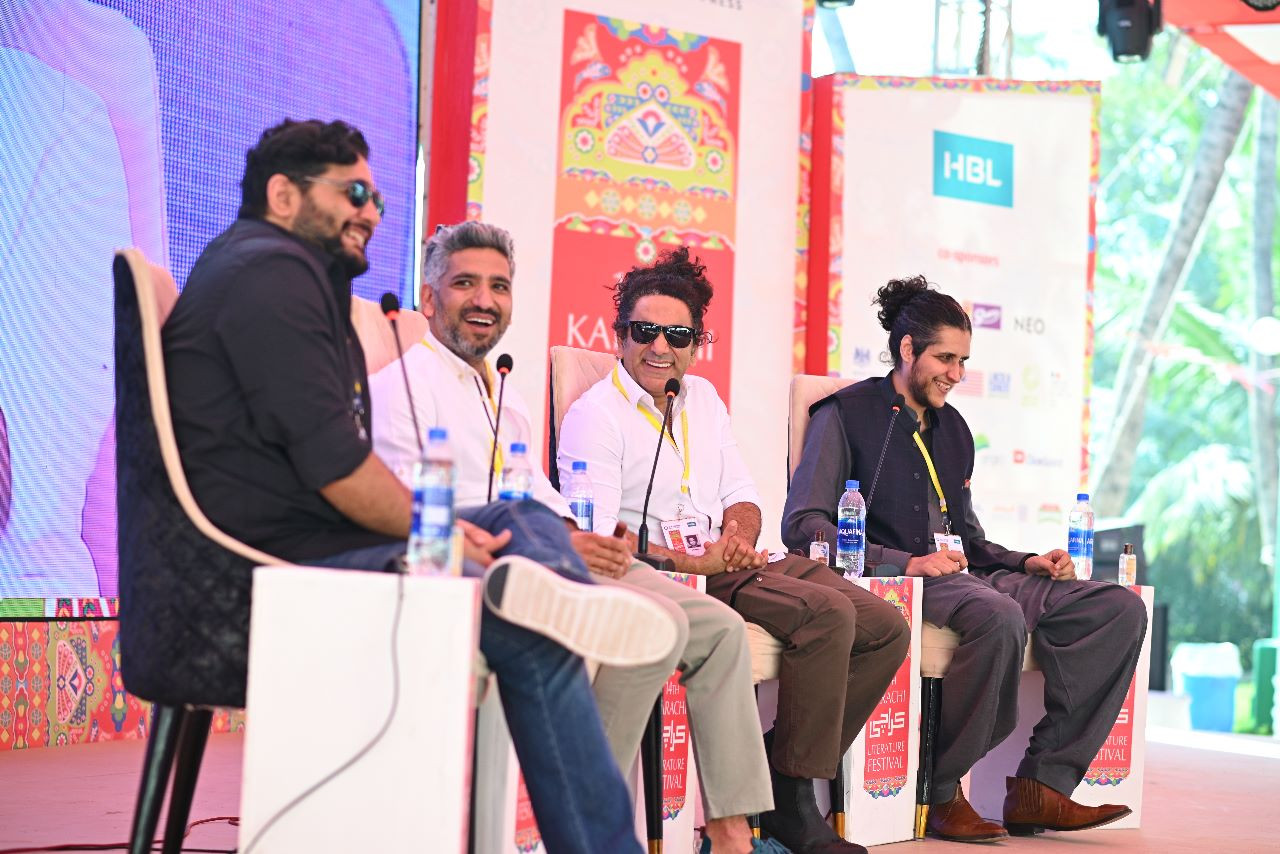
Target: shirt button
x,y
917,539
917,508
917,475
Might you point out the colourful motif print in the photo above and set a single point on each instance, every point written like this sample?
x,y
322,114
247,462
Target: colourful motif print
x,y
479,109
648,161
887,732
1115,758
675,737
528,838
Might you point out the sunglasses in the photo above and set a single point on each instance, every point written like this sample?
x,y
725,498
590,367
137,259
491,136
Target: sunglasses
x,y
359,193
679,337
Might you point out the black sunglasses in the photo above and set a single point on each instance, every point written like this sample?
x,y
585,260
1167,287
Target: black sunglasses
x,y
644,332
359,193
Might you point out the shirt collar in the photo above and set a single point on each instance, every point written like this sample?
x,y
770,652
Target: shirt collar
x,y
636,394
454,362
338,278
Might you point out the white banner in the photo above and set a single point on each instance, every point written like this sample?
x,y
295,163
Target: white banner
x,y
985,188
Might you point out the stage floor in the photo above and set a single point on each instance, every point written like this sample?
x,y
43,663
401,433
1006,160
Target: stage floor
x,y
1213,797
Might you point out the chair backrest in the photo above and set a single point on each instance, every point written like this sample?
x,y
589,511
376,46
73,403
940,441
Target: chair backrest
x,y
573,371
806,390
374,331
184,584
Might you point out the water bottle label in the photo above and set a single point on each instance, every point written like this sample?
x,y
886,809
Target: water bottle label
x,y
583,510
1088,545
433,511
1075,542
850,535
513,495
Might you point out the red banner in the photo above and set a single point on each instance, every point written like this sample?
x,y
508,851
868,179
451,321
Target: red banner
x,y
527,836
1115,758
647,162
675,737
887,732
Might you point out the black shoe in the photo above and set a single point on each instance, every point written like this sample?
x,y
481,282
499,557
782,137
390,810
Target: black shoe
x,y
795,820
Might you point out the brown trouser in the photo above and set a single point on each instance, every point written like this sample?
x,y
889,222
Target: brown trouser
x,y
841,647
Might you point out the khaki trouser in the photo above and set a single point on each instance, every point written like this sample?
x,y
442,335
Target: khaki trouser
x,y
715,664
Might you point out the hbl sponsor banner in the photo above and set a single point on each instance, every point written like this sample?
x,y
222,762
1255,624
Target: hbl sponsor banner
x,y
985,188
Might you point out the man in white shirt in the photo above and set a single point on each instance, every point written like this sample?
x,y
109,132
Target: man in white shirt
x,y
842,644
467,296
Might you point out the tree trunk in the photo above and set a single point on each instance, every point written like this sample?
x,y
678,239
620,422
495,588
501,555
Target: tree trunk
x,y
1262,400
1115,466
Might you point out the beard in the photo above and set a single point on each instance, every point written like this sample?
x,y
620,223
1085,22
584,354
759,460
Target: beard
x,y
313,226
918,386
453,335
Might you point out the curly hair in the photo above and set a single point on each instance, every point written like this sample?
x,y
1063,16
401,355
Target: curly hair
x,y
675,275
298,150
911,307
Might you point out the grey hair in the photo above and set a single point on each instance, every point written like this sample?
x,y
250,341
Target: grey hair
x,y
449,239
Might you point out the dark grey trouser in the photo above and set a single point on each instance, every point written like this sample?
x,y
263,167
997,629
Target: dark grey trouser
x,y
1087,638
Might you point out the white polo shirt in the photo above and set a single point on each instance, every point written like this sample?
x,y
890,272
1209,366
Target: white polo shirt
x,y
449,393
614,428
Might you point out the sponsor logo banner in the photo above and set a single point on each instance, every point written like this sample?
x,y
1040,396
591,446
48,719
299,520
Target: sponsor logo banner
x,y
972,169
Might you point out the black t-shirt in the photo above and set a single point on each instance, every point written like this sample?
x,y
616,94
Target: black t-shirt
x,y
268,390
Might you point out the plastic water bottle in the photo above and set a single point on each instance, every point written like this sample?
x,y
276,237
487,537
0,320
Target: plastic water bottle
x,y
851,531
517,481
431,530
1080,536
578,491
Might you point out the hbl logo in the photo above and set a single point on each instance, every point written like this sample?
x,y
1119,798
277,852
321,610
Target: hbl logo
x,y
972,169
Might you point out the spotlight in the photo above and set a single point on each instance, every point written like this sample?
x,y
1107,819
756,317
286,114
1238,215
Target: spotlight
x,y
836,4
1262,5
1129,26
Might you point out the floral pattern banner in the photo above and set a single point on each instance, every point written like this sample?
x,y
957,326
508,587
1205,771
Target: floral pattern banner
x,y
647,162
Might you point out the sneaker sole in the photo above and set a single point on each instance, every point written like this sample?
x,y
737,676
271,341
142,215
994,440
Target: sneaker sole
x,y
604,624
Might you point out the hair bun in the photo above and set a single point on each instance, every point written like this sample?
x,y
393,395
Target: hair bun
x,y
894,296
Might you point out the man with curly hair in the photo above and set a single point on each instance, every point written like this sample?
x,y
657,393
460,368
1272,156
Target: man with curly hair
x,y
841,644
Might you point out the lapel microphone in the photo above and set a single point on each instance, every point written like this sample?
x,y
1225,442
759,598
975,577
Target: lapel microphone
x,y
391,308
504,368
642,536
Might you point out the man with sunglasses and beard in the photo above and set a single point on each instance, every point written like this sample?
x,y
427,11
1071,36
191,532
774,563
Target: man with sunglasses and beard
x,y
841,645
270,404
467,295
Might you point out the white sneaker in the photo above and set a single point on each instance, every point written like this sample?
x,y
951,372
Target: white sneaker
x,y
605,624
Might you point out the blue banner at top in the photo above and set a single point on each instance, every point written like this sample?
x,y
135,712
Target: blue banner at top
x,y
972,169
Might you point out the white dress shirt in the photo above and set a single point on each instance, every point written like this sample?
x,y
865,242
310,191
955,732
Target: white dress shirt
x,y
449,393
614,428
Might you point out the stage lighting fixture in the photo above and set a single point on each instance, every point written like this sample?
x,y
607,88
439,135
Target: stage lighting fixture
x,y
1261,5
1128,26
836,4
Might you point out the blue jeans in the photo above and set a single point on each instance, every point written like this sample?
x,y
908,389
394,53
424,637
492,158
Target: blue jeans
x,y
577,792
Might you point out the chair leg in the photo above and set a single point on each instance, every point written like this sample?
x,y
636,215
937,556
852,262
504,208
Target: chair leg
x,y
191,743
166,721
838,788
651,774
930,709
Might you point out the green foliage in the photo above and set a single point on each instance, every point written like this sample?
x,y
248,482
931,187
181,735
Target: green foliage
x,y
1193,482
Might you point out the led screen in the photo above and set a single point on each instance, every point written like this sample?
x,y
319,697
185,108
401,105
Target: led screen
x,y
126,124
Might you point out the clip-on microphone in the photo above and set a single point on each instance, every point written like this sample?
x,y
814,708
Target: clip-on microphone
x,y
504,368
642,536
391,308
896,407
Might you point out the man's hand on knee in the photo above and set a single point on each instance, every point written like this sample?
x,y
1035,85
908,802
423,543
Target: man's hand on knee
x,y
603,555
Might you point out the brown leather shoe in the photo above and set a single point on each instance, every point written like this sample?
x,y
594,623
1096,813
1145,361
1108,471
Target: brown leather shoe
x,y
957,821
1032,807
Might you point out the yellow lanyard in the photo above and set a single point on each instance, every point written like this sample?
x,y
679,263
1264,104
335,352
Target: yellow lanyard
x,y
933,475
491,410
657,425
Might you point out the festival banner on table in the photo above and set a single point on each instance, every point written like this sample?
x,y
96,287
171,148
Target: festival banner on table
x,y
606,132
985,187
881,766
